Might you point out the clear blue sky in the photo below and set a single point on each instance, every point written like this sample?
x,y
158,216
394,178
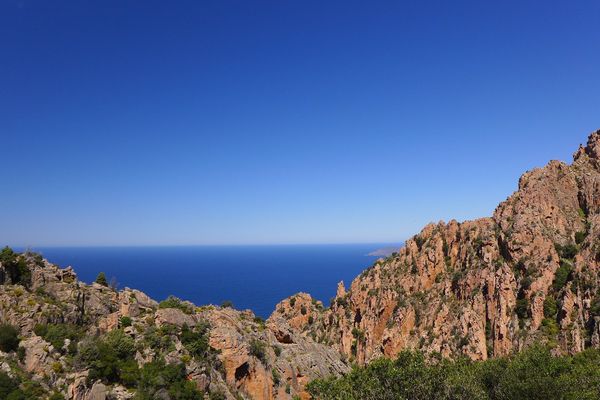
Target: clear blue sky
x,y
288,121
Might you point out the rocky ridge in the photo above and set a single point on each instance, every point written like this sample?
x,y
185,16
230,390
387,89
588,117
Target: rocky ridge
x,y
248,357
482,288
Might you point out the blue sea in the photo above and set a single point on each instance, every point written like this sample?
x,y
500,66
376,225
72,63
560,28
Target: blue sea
x,y
252,277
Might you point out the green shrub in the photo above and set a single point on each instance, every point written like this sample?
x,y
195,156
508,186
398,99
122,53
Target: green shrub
x,y
56,334
550,327
9,338
110,358
580,237
174,302
341,301
21,352
419,241
568,251
532,374
101,279
227,304
157,376
258,349
217,396
522,308
125,321
561,276
276,377
196,340
15,266
550,307
358,334
7,385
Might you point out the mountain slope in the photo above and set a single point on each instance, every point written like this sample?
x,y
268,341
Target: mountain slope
x,y
482,288
92,342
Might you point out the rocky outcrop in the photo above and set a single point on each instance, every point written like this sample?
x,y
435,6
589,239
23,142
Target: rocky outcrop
x,y
483,288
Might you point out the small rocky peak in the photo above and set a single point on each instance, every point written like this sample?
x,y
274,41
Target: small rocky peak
x,y
592,149
341,290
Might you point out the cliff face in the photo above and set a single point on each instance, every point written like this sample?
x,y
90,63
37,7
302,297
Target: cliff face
x,y
481,288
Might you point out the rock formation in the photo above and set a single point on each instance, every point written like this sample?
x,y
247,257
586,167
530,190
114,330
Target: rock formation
x,y
482,288
253,359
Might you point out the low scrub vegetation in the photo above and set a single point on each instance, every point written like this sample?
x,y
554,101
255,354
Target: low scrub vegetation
x,y
57,334
532,374
175,302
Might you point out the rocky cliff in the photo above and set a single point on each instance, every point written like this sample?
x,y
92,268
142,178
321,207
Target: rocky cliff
x,y
482,288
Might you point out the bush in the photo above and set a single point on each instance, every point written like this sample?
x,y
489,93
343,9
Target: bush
x,y
561,276
174,302
532,374
101,279
258,349
227,304
550,307
56,334
196,340
550,327
580,237
217,396
125,321
110,358
156,376
567,251
9,338
9,388
276,377
522,308
21,352
15,266
341,301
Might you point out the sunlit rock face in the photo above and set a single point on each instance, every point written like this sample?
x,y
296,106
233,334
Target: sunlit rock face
x,y
482,288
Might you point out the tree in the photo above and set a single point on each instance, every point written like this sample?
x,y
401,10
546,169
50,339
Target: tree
x,y
101,279
16,267
227,304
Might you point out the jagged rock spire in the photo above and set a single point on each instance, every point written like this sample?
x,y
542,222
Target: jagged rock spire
x,y
592,149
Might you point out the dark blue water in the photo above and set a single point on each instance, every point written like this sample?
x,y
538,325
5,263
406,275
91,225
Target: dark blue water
x,y
254,277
